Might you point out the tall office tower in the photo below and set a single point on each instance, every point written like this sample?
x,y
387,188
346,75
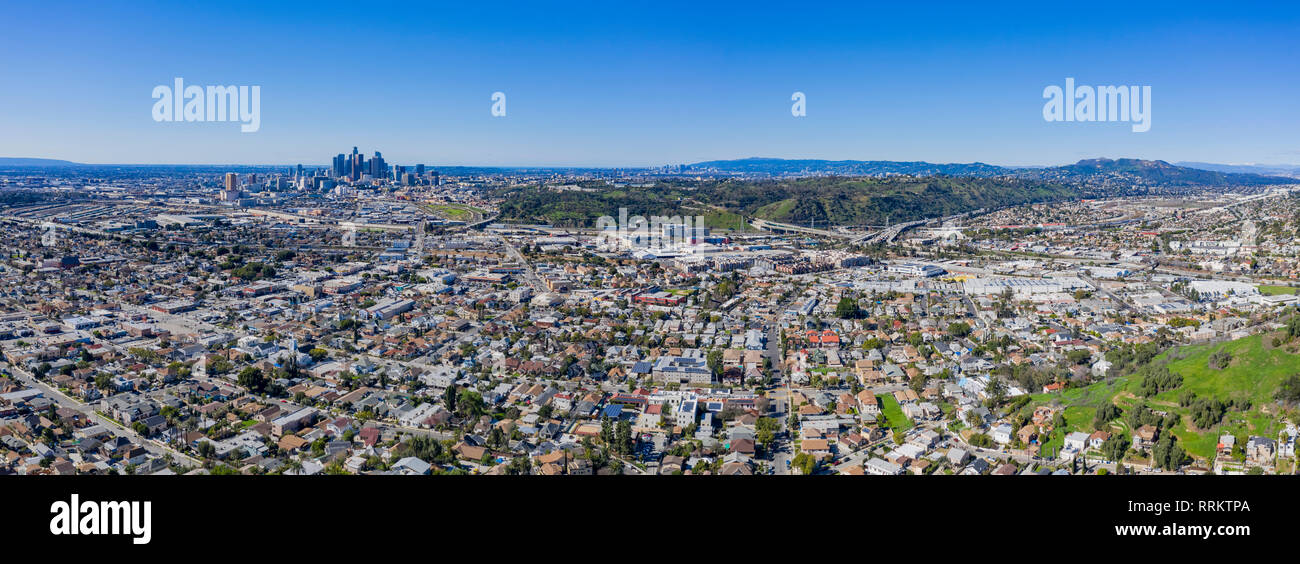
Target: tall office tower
x,y
338,166
232,182
436,179
299,171
419,170
358,161
377,167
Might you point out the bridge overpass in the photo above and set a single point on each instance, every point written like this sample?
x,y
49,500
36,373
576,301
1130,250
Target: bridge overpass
x,y
766,225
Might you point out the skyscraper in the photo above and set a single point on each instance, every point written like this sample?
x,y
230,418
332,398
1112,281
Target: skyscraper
x,y
232,182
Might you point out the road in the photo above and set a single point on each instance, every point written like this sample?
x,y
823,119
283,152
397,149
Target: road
x,y
1124,305
62,400
780,397
529,274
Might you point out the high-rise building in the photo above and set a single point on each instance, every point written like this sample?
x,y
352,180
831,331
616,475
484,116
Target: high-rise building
x,y
419,170
232,182
354,170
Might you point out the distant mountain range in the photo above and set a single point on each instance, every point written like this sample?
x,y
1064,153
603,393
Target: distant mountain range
x,y
22,161
1291,171
818,167
1088,171
1119,172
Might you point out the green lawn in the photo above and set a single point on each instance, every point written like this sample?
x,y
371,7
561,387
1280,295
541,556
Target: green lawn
x,y
893,413
1268,290
455,212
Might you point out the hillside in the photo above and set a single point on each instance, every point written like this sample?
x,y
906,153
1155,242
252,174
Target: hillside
x,y
1252,377
1147,173
824,200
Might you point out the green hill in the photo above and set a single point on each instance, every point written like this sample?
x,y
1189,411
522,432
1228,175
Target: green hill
x,y
1254,374
824,200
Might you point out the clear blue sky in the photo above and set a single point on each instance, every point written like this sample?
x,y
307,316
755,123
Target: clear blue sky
x,y
629,83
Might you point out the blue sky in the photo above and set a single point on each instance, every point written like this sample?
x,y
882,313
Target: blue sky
x,y
633,84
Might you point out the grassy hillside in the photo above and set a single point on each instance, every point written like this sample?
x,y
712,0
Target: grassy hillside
x,y
1254,374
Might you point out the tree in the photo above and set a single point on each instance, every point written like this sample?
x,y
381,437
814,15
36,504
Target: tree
x,y
959,329
1289,391
714,360
623,443
1167,453
1220,359
1114,447
449,398
606,431
1105,414
847,308
805,463
252,379
470,404
766,431
997,391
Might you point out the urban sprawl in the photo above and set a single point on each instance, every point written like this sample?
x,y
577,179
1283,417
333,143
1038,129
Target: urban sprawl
x,y
368,318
